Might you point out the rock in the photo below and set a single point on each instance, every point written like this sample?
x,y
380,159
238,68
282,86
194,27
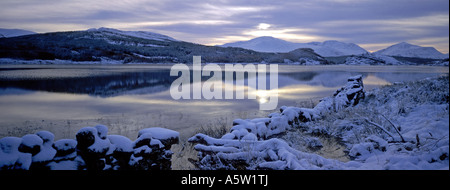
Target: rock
x,y
47,152
102,131
118,155
166,136
313,143
92,148
350,94
150,150
85,137
11,157
31,143
66,156
65,149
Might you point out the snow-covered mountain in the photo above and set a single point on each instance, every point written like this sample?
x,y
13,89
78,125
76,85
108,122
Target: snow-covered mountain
x,y
137,34
404,49
264,44
8,33
330,48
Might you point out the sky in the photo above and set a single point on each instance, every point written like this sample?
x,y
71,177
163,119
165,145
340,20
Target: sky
x,y
372,24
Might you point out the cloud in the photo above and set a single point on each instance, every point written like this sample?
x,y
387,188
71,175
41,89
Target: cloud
x,y
368,22
263,26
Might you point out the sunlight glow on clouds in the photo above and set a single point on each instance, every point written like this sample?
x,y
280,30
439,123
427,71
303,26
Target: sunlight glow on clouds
x,y
288,34
369,23
263,26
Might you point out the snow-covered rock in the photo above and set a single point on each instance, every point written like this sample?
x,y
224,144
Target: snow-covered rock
x,y
151,150
166,136
65,149
47,152
93,149
11,157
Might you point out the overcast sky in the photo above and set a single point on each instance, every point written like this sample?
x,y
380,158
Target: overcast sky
x,y
372,24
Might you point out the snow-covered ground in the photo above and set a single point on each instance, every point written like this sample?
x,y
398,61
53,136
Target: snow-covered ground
x,y
404,126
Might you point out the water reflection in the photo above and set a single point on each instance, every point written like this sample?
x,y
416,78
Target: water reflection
x,y
130,99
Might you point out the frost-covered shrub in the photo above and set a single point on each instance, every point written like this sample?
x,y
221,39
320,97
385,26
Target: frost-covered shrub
x,y
250,144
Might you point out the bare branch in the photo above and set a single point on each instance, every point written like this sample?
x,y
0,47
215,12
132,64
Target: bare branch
x,y
380,127
395,127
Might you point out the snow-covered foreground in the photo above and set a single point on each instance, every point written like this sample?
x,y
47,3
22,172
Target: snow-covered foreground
x,y
402,127
93,149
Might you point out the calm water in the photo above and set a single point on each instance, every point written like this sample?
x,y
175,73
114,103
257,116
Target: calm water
x,y
65,98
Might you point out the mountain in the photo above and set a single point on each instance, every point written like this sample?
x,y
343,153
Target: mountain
x,y
404,49
106,44
330,48
265,44
7,33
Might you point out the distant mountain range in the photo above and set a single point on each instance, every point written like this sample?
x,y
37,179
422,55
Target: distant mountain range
x,y
7,33
326,49
107,44
334,48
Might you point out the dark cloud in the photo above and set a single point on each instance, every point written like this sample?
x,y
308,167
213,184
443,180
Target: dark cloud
x,y
212,22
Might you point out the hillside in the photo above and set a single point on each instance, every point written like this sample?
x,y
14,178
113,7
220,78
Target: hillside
x,y
8,33
404,49
106,44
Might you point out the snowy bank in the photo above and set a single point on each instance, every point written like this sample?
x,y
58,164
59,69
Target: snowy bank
x,y
93,149
251,143
403,126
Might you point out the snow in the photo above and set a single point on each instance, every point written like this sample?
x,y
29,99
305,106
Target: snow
x,y
102,131
329,48
408,50
160,133
120,143
65,144
9,33
10,157
404,126
65,150
31,140
93,149
47,151
99,145
137,34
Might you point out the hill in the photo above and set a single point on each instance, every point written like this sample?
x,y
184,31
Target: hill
x,y
8,33
105,44
404,49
